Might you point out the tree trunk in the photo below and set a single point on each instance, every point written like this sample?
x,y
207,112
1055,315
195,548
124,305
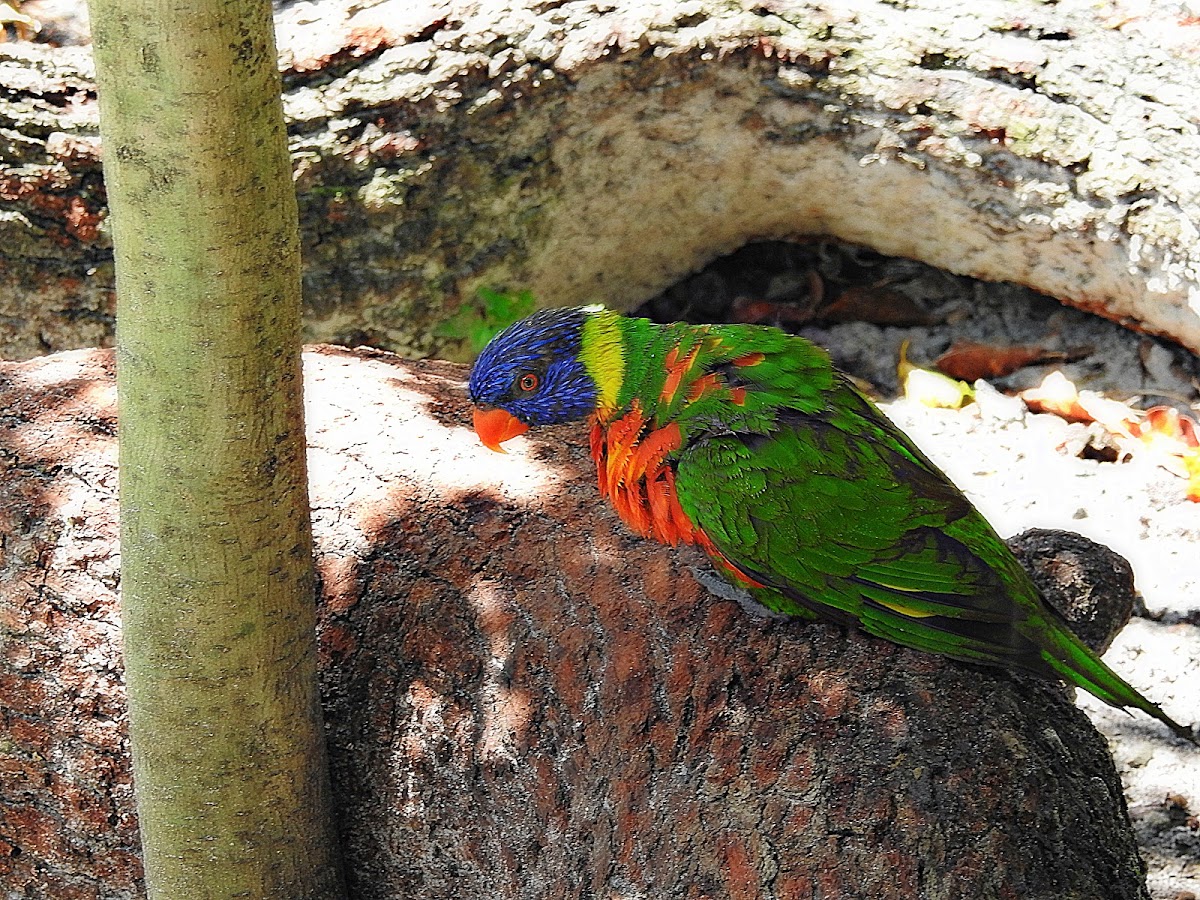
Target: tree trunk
x,y
600,152
524,701
217,577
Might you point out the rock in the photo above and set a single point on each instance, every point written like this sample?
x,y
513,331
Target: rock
x,y
604,151
522,700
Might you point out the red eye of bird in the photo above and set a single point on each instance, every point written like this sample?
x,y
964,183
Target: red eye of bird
x,y
527,382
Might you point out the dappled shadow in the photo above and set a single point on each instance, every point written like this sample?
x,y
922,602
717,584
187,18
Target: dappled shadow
x,y
524,700
61,687
518,689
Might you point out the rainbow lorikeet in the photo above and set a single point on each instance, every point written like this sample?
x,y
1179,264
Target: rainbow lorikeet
x,y
745,441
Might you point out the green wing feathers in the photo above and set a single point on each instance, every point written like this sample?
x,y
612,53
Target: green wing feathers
x,y
835,512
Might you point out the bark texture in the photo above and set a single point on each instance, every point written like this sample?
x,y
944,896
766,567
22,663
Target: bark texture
x,y
217,574
524,701
600,151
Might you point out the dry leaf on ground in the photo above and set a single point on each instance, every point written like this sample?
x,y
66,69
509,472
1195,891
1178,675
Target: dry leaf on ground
x,y
1171,438
930,388
970,360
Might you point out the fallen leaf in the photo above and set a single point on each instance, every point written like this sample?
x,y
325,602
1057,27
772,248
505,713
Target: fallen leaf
x,y
1167,436
1171,423
1191,463
1056,394
875,304
758,312
930,388
1119,418
1172,440
969,360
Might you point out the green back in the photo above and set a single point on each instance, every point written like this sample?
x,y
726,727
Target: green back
x,y
808,488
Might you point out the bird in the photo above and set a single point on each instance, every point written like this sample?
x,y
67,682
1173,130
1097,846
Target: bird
x,y
745,441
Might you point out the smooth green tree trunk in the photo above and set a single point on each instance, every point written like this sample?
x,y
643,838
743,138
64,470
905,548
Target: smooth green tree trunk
x,y
216,564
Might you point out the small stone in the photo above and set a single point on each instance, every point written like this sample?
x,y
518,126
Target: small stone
x,y
1091,585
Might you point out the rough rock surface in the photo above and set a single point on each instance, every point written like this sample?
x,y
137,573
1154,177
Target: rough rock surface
x,y
524,701
601,150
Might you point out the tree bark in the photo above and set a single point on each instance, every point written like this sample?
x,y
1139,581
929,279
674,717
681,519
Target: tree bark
x,y
217,574
600,152
524,701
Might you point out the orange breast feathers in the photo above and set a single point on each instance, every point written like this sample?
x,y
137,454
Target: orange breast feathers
x,y
634,474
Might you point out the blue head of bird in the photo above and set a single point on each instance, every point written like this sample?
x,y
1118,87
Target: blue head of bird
x,y
532,373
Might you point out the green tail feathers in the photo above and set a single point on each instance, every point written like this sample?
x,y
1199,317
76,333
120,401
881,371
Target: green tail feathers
x,y
1078,665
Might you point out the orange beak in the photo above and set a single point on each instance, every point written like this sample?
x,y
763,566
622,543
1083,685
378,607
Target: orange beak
x,y
495,426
